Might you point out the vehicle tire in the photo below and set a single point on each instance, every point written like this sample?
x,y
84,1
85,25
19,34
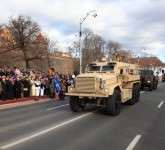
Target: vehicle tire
x,y
142,87
155,86
137,87
135,95
75,104
113,105
151,87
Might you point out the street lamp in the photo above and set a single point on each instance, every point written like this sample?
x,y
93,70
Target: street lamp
x,y
93,12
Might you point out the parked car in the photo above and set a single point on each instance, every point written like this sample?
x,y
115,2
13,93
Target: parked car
x,y
148,79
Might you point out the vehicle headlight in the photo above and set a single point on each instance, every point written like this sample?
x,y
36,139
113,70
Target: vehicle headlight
x,y
100,76
70,89
106,90
148,81
102,82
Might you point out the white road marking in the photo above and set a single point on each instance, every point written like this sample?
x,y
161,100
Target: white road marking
x,y
141,92
57,107
133,143
43,131
161,103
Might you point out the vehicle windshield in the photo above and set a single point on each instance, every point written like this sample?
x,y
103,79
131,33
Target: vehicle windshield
x,y
108,68
94,68
101,68
146,72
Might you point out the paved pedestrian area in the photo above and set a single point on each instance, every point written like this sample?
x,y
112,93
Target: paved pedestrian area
x,y
22,103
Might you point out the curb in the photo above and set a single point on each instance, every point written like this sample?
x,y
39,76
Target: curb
x,y
21,100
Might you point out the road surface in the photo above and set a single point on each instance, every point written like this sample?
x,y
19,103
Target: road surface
x,y
53,126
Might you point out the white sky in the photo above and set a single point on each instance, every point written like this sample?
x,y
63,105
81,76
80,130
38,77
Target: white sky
x,y
136,24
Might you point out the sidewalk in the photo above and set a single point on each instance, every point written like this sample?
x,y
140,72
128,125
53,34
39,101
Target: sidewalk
x,y
23,101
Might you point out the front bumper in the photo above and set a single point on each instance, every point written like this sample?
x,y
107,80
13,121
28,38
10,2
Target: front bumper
x,y
86,95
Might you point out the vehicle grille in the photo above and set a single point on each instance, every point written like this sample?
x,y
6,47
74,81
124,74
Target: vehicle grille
x,y
85,84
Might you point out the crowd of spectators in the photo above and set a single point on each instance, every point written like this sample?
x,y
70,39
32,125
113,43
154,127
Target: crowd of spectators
x,y
16,83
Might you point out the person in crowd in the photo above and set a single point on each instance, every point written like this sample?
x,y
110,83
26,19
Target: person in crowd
x,y
4,88
0,87
47,86
51,88
37,87
42,89
62,87
17,83
16,72
56,86
26,86
17,87
2,72
68,83
10,88
32,86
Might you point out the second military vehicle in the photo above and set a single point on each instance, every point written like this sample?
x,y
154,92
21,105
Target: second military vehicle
x,y
106,84
148,79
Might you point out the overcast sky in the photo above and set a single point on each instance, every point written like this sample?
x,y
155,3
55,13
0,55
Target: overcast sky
x,y
136,24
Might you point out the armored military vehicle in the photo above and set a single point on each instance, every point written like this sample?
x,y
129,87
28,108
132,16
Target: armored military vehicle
x,y
106,84
148,79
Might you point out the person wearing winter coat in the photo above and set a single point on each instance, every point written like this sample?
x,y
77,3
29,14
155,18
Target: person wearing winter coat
x,y
26,87
17,87
4,88
42,89
10,88
62,88
51,88
47,86
0,89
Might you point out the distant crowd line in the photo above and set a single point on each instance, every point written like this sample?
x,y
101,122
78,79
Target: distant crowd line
x,y
16,83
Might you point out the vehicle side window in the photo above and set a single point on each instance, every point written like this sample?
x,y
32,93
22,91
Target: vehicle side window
x,y
121,71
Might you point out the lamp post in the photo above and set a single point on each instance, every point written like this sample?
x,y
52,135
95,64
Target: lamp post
x,y
80,34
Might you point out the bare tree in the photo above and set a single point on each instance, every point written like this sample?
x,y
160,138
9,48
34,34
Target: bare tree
x,y
73,50
24,31
98,51
52,48
93,47
112,46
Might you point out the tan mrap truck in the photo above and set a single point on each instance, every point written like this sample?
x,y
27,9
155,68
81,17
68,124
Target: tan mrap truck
x,y
106,84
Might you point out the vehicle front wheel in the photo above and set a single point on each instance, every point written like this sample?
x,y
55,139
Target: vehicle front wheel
x,y
75,104
113,105
155,85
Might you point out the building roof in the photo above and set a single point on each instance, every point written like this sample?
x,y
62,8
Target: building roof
x,y
40,39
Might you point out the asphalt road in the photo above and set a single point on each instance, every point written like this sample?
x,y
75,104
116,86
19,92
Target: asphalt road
x,y
53,126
